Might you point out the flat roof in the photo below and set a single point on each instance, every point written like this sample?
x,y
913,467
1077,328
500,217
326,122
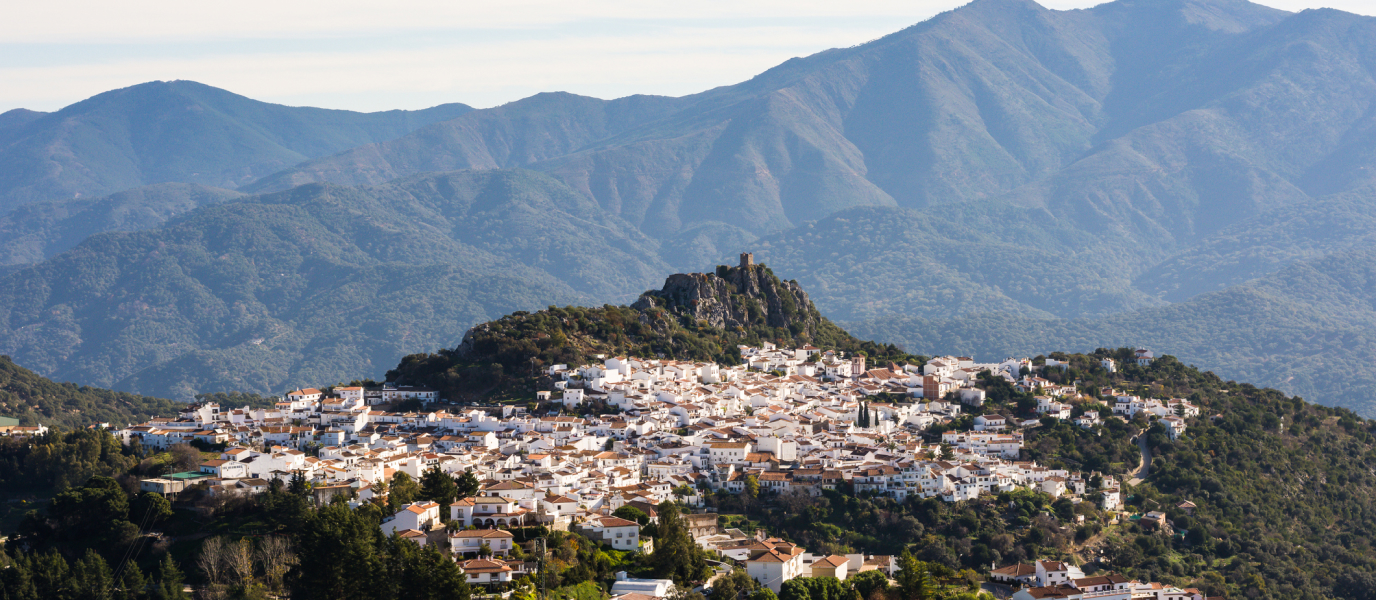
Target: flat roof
x,y
185,475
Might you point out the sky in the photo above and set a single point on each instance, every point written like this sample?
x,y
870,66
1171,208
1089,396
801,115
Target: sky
x,y
368,55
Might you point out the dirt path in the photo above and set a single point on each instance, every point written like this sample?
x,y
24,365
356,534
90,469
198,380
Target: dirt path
x,y
1144,467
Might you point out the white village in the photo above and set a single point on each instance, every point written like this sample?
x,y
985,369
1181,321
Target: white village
x,y
629,431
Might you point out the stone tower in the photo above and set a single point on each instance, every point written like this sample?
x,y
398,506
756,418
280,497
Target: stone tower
x,y
747,260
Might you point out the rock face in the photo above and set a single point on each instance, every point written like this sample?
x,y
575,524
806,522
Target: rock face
x,y
745,296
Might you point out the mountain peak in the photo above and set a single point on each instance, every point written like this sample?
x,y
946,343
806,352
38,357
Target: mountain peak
x,y
1228,16
746,296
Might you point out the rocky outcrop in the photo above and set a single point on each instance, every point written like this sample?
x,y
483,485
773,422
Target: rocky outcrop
x,y
747,296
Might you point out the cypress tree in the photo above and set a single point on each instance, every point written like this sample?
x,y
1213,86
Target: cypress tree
x,y
169,580
91,577
438,486
131,583
16,582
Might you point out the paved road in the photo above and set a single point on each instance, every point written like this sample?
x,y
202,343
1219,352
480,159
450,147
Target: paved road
x,y
1145,468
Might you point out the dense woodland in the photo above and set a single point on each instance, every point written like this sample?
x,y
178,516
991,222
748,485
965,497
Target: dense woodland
x,y
36,400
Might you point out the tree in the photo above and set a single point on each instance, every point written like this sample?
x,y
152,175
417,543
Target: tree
x,y
631,513
468,486
169,580
238,559
91,577
676,555
275,556
912,577
866,583
733,586
419,573
185,457
132,584
752,487
438,486
150,509
299,486
338,556
814,588
211,559
404,491
99,509
763,593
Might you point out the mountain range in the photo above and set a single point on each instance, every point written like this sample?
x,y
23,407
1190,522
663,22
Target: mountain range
x,y
1195,176
177,131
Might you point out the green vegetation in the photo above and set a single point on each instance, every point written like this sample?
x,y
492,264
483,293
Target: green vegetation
x,y
1307,329
504,358
62,459
40,230
36,400
318,285
1283,493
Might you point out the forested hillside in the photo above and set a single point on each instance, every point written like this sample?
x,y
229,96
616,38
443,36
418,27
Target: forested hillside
x,y
1308,329
40,230
36,400
505,358
319,284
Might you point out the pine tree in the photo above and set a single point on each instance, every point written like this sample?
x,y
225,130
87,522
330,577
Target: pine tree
x,y
338,556
169,580
468,486
912,577
91,577
676,555
299,485
404,490
438,486
49,573
16,582
131,583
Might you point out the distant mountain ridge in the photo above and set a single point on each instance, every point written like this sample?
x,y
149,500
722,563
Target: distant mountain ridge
x,y
40,230
176,131
313,284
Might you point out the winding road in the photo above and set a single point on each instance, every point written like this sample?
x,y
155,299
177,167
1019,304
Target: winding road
x,y
1144,468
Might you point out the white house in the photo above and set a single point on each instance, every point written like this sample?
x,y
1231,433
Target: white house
x,y
613,531
1050,572
468,542
990,423
421,516
481,571
774,561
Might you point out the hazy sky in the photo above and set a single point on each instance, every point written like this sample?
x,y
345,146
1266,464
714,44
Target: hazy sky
x,y
371,55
